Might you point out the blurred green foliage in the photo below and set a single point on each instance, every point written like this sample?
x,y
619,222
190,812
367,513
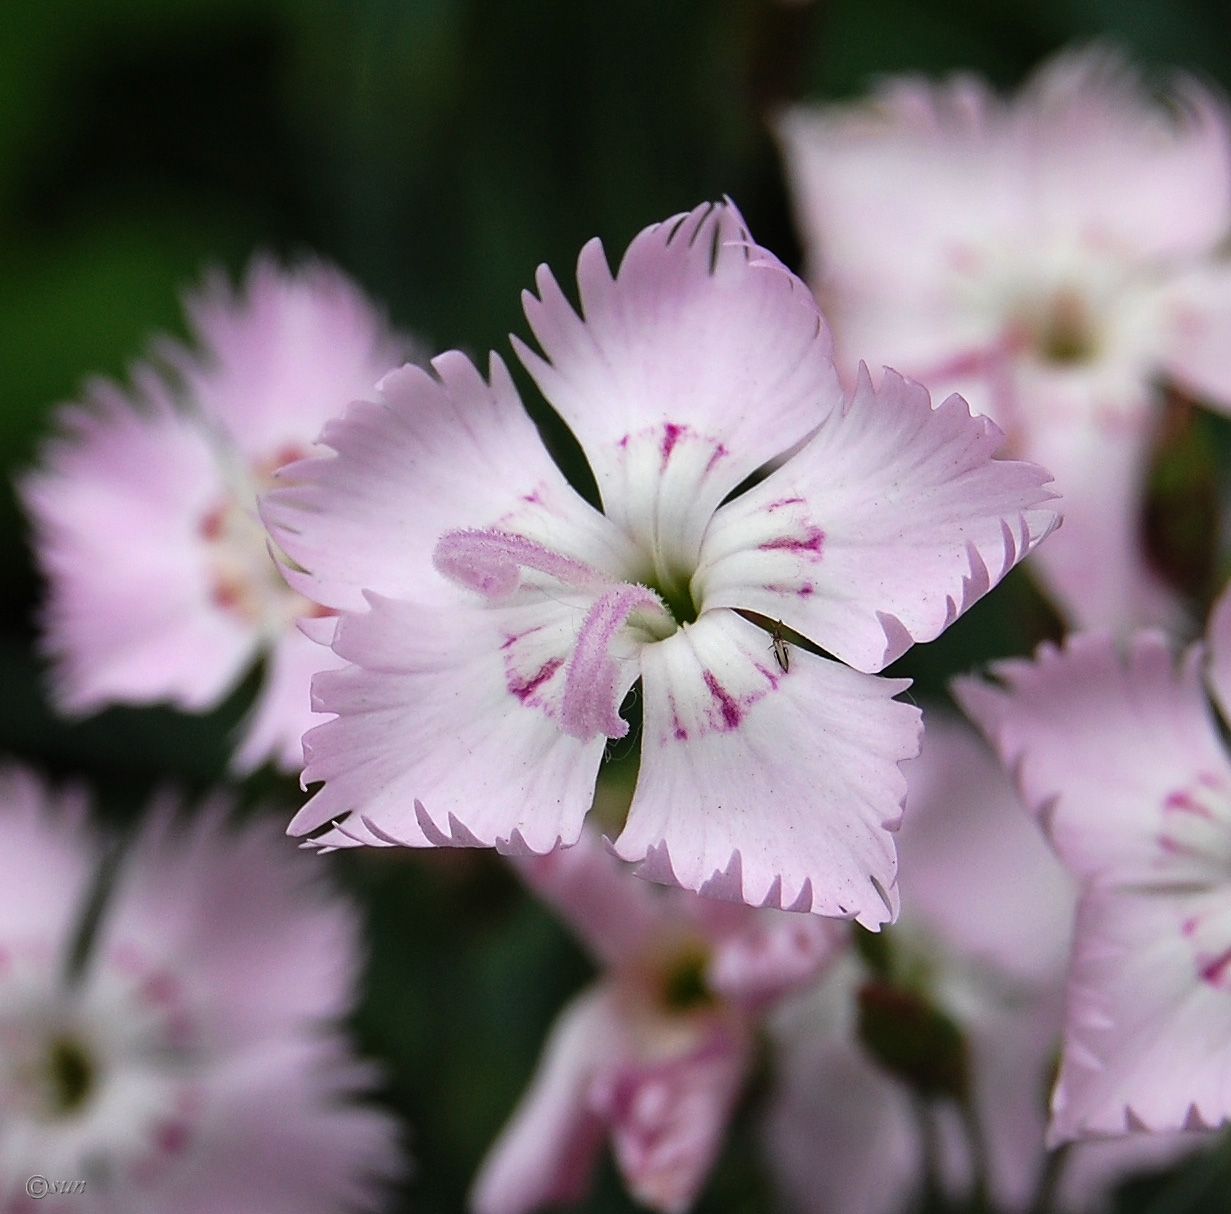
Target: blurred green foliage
x,y
439,150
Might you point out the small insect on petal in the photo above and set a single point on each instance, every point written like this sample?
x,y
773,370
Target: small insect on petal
x,y
782,651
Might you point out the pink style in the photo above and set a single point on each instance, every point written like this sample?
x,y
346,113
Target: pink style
x,y
655,1053
161,586
492,621
1051,257
1122,760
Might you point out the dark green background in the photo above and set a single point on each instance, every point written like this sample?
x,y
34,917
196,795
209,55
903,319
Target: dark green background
x,y
439,150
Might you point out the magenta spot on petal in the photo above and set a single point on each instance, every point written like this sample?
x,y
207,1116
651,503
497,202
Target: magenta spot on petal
x,y
806,590
812,542
1214,971
623,443
1182,802
288,453
1210,780
225,596
1173,847
677,726
159,990
171,1137
719,452
730,709
211,526
511,638
671,436
523,689
532,498
782,502
1189,926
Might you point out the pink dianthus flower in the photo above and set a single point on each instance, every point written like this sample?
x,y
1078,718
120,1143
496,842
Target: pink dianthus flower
x,y
1049,257
160,583
655,1053
492,620
1121,758
187,1064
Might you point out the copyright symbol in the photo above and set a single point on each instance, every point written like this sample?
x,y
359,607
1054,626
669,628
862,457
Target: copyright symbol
x,y
37,1186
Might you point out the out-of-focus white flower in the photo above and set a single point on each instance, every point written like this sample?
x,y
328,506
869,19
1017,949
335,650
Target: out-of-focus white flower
x,y
1050,257
188,1065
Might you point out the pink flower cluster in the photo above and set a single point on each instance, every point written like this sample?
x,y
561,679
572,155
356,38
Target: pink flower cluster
x,y
776,525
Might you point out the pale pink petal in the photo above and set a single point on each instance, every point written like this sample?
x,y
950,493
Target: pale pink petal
x,y
612,913
278,358
1012,1049
981,886
274,728
1095,566
1147,1037
118,508
1197,307
1111,754
895,196
840,1133
975,869
473,693
699,362
668,1116
1089,124
909,197
438,454
546,1152
45,864
885,527
771,954
239,920
1218,646
777,789
282,1134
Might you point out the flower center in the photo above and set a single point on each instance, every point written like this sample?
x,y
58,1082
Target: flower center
x,y
104,1071
244,578
1195,835
619,617
676,596
1194,860
1064,332
683,983
68,1075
